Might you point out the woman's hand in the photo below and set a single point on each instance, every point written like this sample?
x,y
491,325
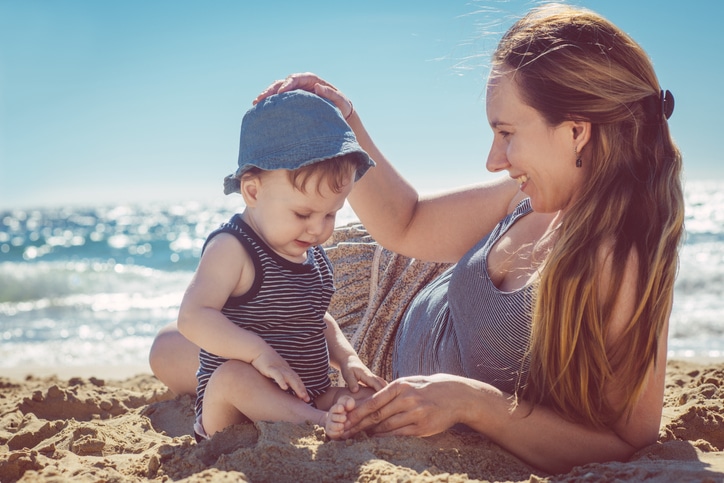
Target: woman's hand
x,y
312,83
410,406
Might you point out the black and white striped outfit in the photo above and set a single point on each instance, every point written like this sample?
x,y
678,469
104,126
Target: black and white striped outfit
x,y
285,306
462,324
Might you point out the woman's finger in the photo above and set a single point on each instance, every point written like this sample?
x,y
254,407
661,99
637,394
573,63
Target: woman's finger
x,y
371,411
271,90
305,81
312,83
401,424
338,99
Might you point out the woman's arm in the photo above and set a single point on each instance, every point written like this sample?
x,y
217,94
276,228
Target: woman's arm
x,y
427,405
641,426
549,441
440,227
435,228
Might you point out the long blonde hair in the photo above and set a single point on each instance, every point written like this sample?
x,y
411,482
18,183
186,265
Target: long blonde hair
x,y
572,64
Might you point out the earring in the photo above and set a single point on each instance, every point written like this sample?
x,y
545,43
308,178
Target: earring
x,y
579,161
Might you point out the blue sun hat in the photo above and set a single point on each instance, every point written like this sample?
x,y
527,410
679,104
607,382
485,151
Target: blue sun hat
x,y
292,130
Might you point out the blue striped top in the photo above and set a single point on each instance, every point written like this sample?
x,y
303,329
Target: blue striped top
x,y
285,306
462,324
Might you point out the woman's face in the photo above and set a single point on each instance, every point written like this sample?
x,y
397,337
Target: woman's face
x,y
542,158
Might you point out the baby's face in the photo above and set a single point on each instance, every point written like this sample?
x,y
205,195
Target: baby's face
x,y
290,220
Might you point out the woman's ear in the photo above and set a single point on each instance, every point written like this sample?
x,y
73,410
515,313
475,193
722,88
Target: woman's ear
x,y
581,134
250,186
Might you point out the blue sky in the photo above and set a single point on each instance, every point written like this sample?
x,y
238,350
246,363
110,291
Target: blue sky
x,y
138,100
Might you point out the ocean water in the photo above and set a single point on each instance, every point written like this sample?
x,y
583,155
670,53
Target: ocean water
x,y
92,286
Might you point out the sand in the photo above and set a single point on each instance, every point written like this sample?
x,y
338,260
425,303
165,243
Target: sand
x,y
132,429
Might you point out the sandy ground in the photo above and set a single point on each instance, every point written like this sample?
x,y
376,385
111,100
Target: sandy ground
x,y
83,428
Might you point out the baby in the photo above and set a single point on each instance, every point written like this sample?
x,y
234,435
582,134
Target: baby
x,y
257,303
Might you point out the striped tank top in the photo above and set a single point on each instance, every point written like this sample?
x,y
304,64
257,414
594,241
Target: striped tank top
x,y
285,306
462,324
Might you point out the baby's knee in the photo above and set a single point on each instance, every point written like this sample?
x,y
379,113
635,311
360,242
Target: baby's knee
x,y
233,372
161,350
174,360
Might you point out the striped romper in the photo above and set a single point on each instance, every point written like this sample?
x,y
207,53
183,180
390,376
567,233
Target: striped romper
x,y
462,324
285,307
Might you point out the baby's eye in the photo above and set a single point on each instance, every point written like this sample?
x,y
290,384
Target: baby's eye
x,y
301,216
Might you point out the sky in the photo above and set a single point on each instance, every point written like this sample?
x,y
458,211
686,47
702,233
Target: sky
x,y
118,102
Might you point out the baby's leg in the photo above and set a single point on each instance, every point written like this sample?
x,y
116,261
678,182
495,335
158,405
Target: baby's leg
x,y
339,401
174,360
237,392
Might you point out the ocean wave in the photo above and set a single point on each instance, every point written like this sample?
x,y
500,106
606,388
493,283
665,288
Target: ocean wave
x,y
85,313
44,283
704,211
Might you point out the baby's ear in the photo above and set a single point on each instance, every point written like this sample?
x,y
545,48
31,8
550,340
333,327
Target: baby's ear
x,y
250,186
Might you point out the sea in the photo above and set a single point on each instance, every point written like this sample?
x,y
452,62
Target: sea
x,y
91,286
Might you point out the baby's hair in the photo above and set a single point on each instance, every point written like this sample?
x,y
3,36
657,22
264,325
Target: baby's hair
x,y
335,171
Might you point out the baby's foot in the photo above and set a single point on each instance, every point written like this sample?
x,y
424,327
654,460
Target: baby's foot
x,y
337,416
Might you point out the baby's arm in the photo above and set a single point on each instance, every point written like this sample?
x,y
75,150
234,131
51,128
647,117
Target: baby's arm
x,y
225,269
343,356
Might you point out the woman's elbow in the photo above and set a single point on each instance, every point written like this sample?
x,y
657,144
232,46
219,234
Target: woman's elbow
x,y
647,437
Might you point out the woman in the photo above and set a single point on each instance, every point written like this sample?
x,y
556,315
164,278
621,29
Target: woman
x,y
548,335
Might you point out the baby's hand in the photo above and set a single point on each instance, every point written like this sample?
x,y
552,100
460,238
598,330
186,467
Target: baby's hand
x,y
270,364
354,372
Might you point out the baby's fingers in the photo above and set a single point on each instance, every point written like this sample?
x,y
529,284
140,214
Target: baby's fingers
x,y
373,381
290,380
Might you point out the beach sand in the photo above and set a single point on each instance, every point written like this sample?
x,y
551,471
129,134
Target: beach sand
x,y
56,428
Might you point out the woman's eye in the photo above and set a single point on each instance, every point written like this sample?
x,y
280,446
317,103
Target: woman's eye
x,y
504,134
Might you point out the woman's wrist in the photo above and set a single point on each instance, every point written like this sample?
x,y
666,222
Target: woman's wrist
x,y
481,406
351,110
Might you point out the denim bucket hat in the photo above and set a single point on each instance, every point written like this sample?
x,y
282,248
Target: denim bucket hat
x,y
292,130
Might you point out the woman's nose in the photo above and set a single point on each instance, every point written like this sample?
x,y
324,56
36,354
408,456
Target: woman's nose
x,y
497,159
